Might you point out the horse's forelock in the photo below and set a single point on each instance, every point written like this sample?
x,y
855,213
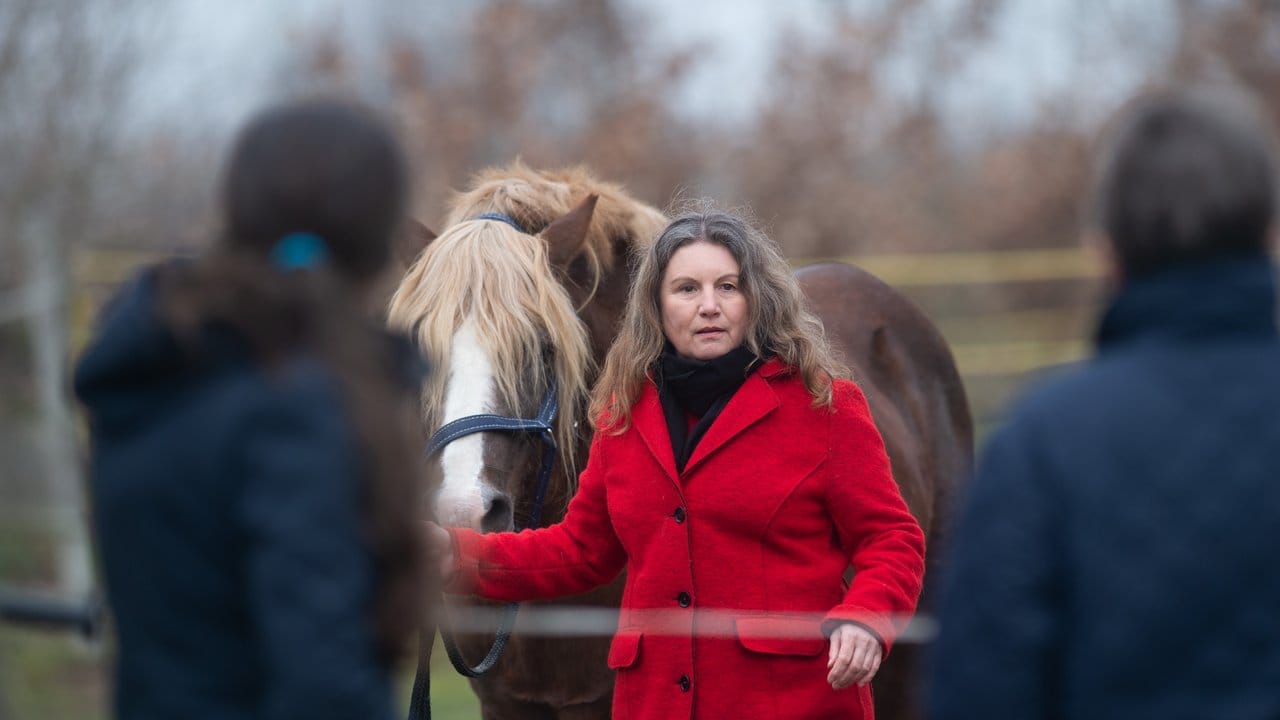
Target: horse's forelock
x,y
498,279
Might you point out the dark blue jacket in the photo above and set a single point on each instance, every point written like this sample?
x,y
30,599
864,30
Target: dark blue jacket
x,y
227,511
1120,552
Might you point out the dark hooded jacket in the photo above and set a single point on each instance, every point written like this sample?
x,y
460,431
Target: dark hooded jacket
x,y
228,514
1118,555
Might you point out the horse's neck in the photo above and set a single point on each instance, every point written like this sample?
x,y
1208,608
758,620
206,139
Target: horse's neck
x,y
603,314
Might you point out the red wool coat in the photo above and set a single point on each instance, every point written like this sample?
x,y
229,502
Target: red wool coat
x,y
733,565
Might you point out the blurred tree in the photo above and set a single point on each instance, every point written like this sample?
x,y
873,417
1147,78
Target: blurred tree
x,y
855,146
555,82
1235,42
840,160
64,69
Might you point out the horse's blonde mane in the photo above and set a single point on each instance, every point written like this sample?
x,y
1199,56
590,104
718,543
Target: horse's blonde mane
x,y
502,281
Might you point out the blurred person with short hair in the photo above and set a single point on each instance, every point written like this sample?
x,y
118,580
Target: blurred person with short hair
x,y
254,442
1117,557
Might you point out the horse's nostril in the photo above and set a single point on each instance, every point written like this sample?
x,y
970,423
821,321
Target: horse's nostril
x,y
498,517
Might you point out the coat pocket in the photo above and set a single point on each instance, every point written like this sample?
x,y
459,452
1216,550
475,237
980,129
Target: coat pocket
x,y
624,651
781,636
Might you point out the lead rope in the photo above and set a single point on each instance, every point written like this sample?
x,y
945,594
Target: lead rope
x,y
420,701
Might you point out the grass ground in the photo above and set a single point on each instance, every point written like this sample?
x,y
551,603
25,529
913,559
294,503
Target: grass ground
x,y
451,696
50,676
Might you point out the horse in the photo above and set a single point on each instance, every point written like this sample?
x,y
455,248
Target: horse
x,y
917,399
499,312
502,310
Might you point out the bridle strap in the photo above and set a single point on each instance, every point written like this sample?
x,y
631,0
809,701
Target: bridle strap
x,y
500,217
487,422
541,425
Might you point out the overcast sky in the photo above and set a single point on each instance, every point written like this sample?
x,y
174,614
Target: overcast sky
x,y
217,59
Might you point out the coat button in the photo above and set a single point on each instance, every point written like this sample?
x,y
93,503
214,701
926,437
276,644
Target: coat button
x,y
679,514
684,599
685,683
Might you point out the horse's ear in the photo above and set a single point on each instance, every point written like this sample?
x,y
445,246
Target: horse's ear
x,y
412,241
566,235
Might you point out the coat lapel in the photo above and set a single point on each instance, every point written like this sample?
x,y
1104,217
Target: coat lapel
x,y
753,401
652,425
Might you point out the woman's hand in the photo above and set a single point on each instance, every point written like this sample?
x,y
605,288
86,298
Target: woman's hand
x,y
854,657
439,551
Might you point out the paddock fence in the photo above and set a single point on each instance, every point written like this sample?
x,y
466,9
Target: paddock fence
x,y
1008,315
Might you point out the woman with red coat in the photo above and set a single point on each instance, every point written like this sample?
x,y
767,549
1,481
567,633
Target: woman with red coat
x,y
735,476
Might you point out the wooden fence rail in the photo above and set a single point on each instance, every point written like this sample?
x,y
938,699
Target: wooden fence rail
x,y
907,270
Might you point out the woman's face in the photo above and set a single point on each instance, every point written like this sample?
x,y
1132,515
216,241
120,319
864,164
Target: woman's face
x,y
704,313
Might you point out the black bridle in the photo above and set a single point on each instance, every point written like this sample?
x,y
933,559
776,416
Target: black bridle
x,y
541,425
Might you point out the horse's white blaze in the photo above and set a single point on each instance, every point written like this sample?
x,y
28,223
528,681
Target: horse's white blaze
x,y
463,494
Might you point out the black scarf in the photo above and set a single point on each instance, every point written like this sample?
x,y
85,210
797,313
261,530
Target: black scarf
x,y
700,388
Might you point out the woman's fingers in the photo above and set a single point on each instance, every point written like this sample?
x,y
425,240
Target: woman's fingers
x,y
440,550
877,658
866,661
437,537
858,666
842,656
854,657
852,670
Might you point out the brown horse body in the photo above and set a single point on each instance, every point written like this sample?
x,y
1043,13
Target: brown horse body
x,y
906,370
897,355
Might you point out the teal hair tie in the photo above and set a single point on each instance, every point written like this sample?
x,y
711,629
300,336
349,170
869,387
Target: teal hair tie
x,y
299,251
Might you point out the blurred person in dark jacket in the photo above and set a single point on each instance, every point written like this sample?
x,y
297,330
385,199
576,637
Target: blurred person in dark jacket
x,y
1118,554
254,454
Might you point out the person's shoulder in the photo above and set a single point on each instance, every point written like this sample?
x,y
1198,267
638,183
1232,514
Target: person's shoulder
x,y
1066,391
299,382
786,381
779,374
1061,417
297,403
847,393
775,370
137,293
847,390
297,393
